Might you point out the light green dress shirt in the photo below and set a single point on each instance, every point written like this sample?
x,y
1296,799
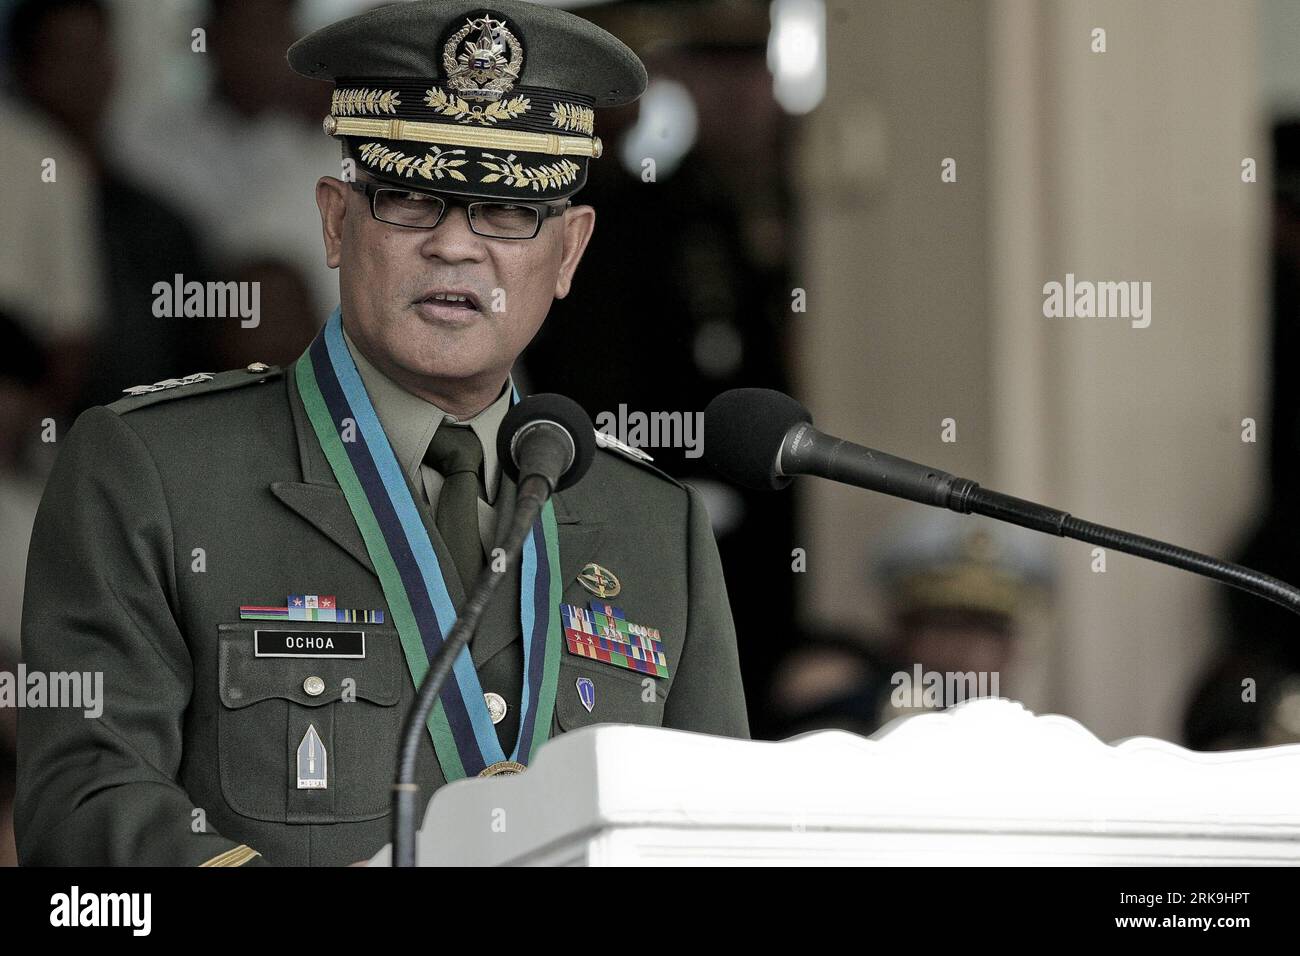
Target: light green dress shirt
x,y
410,423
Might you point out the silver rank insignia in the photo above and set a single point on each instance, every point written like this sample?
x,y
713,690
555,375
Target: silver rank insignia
x,y
168,383
484,67
311,761
612,443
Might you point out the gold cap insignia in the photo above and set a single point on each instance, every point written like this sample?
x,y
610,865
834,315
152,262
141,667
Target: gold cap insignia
x,y
601,582
487,66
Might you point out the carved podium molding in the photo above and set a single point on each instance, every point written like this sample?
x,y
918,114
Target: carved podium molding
x,y
986,782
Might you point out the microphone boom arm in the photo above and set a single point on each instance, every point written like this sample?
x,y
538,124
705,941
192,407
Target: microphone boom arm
x,y
806,450
1027,514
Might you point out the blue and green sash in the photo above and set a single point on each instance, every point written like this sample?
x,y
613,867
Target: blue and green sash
x,y
377,493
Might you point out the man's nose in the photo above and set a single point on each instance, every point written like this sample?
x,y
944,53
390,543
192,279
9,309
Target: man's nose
x,y
453,239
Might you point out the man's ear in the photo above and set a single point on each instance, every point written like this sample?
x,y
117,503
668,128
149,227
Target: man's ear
x,y
332,201
579,223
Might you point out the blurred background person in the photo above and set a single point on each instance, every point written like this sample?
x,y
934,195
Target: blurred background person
x,y
63,68
24,368
1249,693
686,283
288,318
51,268
242,147
24,401
959,591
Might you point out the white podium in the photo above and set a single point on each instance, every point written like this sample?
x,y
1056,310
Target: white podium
x,y
985,783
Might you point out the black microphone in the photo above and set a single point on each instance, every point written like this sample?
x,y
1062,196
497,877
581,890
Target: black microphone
x,y
546,443
549,436
759,438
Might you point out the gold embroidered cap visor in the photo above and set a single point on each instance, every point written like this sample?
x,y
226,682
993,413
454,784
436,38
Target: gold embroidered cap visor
x,y
496,101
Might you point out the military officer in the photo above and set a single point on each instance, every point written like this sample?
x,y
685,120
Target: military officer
x,y
261,561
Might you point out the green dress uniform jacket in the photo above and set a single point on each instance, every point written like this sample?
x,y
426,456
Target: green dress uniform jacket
x,y
167,511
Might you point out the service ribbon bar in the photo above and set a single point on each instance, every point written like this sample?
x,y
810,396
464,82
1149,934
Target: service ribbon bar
x,y
342,615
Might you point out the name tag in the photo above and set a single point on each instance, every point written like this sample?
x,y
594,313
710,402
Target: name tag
x,y
293,643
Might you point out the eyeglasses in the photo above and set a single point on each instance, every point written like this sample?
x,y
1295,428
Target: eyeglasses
x,y
492,219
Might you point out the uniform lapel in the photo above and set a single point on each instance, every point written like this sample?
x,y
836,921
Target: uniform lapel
x,y
318,499
579,537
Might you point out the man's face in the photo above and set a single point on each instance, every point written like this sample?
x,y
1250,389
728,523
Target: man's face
x,y
388,275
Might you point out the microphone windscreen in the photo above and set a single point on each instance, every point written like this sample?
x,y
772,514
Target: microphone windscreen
x,y
743,431
565,412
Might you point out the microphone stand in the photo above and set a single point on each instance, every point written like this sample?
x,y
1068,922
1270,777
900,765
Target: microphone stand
x,y
532,494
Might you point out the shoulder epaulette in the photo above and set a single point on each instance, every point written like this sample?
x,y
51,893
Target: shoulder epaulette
x,y
200,383
634,455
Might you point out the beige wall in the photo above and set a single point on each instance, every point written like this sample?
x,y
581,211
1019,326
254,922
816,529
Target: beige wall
x,y
895,266
926,302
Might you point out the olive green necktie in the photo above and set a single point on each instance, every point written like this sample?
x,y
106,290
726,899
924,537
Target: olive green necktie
x,y
457,455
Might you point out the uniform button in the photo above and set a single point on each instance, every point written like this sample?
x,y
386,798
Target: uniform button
x,y
314,686
496,705
257,368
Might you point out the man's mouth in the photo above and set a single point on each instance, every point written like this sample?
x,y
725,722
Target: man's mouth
x,y
452,299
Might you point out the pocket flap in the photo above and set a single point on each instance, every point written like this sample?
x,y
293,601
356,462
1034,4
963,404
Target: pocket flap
x,y
245,678
618,695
